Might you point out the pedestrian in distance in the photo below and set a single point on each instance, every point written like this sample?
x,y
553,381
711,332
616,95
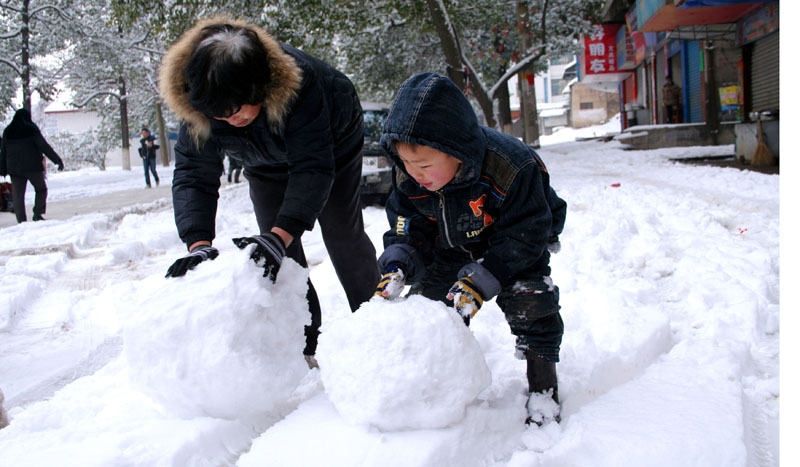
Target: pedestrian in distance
x,y
22,153
671,95
296,125
147,151
472,216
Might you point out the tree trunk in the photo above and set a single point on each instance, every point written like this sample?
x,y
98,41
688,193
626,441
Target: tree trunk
x,y
456,69
504,108
25,56
123,123
527,91
163,136
452,51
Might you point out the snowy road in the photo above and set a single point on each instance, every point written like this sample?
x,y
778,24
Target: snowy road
x,y
669,278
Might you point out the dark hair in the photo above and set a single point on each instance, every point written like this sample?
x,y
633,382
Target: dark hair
x,y
228,68
144,128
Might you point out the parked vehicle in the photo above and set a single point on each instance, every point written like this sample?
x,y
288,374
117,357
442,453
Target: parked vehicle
x,y
376,170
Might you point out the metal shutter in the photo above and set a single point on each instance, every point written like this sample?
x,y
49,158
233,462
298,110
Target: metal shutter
x,y
765,73
694,93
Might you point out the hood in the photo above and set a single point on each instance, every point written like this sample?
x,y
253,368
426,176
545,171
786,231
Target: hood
x,y
431,110
21,125
286,77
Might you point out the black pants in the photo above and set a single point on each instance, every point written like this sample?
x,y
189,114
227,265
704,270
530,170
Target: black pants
x,y
19,184
529,302
350,249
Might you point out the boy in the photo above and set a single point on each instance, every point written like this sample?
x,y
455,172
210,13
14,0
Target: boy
x,y
472,216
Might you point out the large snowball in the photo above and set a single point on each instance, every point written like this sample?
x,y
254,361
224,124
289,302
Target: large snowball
x,y
221,341
402,365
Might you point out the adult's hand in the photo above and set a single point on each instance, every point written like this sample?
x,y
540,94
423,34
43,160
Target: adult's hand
x,y
195,257
269,247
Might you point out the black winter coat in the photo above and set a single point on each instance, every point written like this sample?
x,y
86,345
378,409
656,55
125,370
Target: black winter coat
x,y
22,147
145,151
499,209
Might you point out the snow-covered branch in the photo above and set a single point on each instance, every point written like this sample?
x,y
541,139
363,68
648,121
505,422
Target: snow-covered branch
x,y
11,34
98,94
11,64
58,10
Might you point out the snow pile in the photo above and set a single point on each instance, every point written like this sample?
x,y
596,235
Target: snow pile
x,y
219,341
402,365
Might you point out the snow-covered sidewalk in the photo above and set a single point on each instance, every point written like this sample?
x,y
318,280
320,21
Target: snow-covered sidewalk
x,y
669,279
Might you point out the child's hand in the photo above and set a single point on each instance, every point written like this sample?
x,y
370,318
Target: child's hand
x,y
392,282
467,298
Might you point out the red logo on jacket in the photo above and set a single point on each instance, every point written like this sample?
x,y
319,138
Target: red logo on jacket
x,y
477,209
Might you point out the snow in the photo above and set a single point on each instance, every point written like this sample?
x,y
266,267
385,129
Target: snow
x,y
669,283
426,379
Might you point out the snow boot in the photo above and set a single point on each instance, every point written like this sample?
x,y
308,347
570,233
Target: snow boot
x,y
543,406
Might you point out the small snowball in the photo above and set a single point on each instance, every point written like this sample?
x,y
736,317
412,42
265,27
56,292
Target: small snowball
x,y
402,365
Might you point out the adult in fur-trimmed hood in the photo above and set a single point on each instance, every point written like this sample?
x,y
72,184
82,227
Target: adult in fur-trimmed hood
x,y
296,125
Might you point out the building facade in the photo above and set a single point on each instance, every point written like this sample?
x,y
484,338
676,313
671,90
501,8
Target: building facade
x,y
723,55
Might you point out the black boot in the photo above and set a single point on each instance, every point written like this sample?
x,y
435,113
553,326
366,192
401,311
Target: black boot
x,y
542,380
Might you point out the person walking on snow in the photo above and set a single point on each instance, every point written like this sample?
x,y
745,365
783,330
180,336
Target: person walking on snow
x,y
296,125
21,157
472,216
147,152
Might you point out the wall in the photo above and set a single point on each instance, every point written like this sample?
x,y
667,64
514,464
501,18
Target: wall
x,y
604,105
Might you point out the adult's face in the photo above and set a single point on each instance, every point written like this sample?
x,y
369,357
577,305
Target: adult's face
x,y
243,117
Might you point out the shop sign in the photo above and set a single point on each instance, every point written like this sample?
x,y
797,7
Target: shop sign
x,y
643,42
625,52
764,21
600,49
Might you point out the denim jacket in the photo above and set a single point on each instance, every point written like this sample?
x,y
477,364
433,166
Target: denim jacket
x,y
499,210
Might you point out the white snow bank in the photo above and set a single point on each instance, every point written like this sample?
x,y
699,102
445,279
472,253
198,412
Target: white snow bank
x,y
231,347
402,365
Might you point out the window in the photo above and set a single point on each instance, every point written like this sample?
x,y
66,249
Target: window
x,y
556,86
586,105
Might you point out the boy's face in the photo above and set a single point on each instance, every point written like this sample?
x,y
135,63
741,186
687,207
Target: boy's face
x,y
431,168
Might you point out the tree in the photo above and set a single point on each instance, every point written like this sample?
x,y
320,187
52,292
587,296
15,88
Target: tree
x,y
558,30
35,30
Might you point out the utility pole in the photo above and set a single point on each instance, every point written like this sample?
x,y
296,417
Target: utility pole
x,y
712,96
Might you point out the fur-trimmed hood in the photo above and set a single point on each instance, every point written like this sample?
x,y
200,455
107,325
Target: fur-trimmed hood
x,y
286,77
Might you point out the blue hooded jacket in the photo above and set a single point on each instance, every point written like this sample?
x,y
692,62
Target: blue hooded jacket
x,y
499,210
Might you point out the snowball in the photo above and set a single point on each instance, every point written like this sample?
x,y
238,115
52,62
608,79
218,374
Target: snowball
x,y
402,365
222,341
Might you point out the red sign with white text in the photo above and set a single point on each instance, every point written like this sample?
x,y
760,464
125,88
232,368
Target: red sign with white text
x,y
600,49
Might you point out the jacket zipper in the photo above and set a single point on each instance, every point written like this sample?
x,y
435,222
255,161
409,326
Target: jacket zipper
x,y
444,219
446,231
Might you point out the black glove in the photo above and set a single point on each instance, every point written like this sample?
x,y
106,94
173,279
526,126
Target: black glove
x,y
195,257
467,298
60,166
392,282
269,247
